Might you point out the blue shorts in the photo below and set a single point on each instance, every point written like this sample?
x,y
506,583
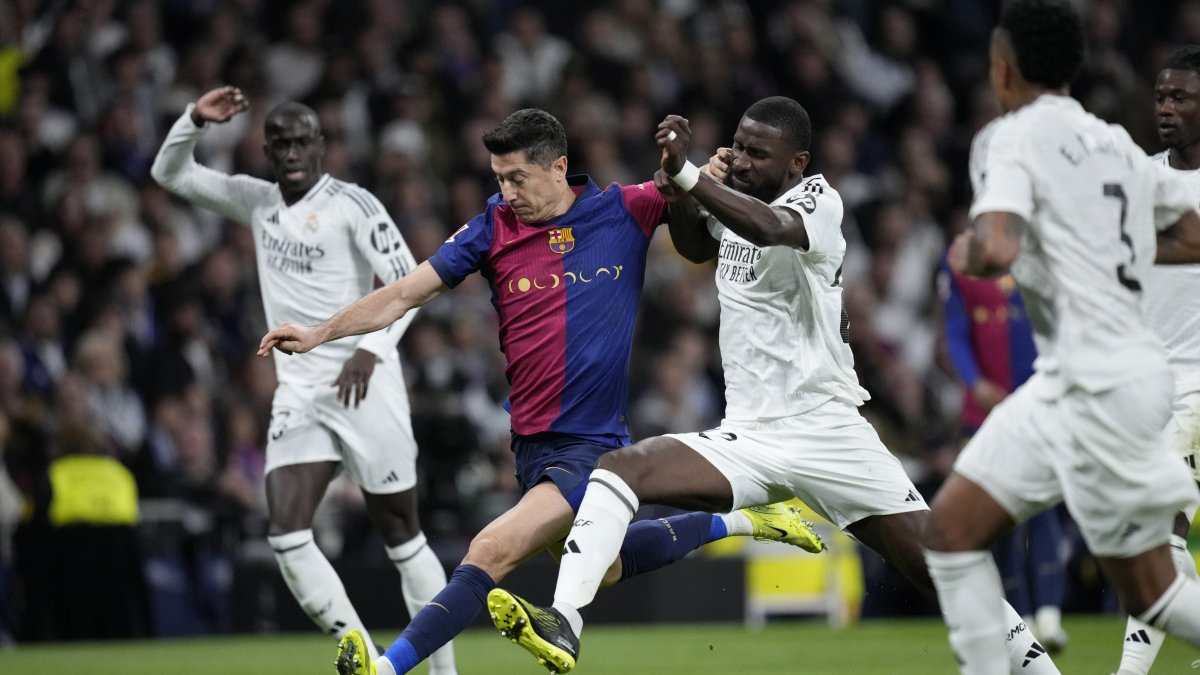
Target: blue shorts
x,y
563,459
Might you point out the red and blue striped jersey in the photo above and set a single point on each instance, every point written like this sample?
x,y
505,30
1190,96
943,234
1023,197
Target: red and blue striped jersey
x,y
987,334
566,292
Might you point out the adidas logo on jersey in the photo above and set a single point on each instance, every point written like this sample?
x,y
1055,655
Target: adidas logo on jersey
x,y
391,477
912,496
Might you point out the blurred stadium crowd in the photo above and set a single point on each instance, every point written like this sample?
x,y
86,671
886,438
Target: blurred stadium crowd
x,y
128,319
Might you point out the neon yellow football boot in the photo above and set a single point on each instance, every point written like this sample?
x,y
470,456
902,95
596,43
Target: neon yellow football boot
x,y
782,522
542,632
353,657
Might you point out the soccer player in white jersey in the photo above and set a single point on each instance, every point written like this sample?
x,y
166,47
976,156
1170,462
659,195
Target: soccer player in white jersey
x,y
319,243
1071,205
791,426
1173,311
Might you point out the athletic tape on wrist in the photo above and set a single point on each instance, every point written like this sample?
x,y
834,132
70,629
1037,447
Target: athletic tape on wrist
x,y
687,177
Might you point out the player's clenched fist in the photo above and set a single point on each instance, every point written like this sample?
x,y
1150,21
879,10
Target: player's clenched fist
x,y
289,339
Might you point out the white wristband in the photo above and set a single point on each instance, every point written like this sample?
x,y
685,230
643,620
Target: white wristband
x,y
687,177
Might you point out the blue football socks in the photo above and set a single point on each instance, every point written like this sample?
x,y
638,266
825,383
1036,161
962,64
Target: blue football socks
x,y
651,544
447,615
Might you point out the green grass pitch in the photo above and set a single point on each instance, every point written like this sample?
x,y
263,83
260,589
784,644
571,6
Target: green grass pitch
x,y
784,647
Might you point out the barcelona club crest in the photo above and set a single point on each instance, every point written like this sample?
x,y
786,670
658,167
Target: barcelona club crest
x,y
561,240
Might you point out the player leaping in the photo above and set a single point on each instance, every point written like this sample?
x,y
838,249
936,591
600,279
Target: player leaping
x,y
565,260
792,425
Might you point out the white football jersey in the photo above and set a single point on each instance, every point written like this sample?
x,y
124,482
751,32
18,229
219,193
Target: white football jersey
x,y
1172,303
784,330
315,257
1092,200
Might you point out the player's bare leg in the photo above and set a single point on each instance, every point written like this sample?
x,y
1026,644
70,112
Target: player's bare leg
x,y
293,493
421,574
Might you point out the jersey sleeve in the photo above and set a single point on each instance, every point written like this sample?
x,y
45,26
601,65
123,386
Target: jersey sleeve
x,y
820,206
1002,183
378,240
646,205
465,251
1173,195
175,168
958,326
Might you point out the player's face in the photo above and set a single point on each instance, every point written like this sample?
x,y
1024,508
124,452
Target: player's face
x,y
295,147
534,192
1177,107
762,161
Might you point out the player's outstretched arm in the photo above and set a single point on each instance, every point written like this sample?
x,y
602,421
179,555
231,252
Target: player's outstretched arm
x,y
753,219
1180,243
175,168
369,313
989,247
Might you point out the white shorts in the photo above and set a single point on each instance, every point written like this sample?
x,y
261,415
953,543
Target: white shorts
x,y
1098,452
830,457
374,442
1182,433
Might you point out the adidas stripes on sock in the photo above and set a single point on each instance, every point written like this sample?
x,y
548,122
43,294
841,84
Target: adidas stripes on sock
x,y
316,586
421,577
596,538
1177,612
1142,641
1025,654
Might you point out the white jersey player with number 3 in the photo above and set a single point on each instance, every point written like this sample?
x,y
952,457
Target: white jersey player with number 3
x,y
1075,209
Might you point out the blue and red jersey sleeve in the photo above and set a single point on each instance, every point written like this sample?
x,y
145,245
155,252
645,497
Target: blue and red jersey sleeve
x,y
646,205
466,251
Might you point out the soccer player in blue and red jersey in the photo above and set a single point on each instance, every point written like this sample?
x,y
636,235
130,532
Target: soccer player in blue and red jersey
x,y
565,260
991,345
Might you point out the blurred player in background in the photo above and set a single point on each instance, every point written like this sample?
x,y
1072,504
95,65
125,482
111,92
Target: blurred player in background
x,y
991,346
792,425
320,243
1071,205
565,260
1172,307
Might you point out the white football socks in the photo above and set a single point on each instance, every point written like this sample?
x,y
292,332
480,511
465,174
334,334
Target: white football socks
x,y
1142,641
421,578
972,601
1177,612
594,542
1025,654
737,524
316,586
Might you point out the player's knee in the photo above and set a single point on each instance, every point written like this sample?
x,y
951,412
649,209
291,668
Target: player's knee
x,y
946,535
492,555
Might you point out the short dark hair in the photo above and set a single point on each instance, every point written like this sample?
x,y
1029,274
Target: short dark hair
x,y
291,109
1047,38
535,131
786,115
1184,58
